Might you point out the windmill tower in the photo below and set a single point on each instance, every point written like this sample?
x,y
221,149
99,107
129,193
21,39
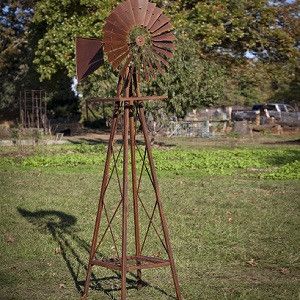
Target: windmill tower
x,y
138,40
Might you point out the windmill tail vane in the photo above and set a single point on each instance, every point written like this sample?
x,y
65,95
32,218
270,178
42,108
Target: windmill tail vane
x,y
138,40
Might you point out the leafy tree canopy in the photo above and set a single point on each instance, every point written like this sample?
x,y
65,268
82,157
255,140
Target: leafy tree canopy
x,y
15,18
210,66
268,29
231,27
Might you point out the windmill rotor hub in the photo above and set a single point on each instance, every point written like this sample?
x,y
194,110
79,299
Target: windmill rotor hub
x,y
140,40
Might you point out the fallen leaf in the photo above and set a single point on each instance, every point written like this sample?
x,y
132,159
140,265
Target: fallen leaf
x,y
9,238
229,216
285,271
157,254
62,286
58,250
252,263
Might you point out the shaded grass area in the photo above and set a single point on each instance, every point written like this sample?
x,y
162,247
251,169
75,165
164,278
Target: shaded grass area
x,y
234,237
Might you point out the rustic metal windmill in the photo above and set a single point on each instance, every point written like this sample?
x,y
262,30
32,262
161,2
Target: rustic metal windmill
x,y
138,40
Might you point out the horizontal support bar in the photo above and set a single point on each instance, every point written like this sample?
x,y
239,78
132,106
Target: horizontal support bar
x,y
149,266
112,265
141,263
124,99
149,258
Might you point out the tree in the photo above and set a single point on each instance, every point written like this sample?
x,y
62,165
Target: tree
x,y
191,82
211,66
61,22
14,22
267,29
19,40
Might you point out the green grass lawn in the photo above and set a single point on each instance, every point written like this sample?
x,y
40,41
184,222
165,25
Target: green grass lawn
x,y
232,208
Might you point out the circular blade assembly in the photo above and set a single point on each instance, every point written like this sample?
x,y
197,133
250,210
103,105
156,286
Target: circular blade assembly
x,y
138,34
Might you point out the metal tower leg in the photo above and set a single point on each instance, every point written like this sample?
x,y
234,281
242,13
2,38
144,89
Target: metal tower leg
x,y
125,203
135,192
158,199
102,193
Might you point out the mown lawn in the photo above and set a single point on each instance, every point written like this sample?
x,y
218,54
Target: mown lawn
x,y
233,212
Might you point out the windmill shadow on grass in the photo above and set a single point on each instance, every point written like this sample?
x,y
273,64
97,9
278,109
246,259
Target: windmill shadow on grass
x,y
62,228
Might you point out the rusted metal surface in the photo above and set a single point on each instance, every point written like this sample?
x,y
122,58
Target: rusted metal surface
x,y
133,263
164,52
160,22
102,192
119,21
154,17
165,28
113,26
119,47
150,10
123,99
135,189
128,103
158,199
142,10
116,40
117,61
165,37
124,267
165,45
163,61
132,109
89,56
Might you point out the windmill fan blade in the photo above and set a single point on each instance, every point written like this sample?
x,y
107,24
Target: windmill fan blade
x,y
114,28
159,68
165,28
149,12
131,10
161,21
161,59
164,52
155,15
117,52
118,60
143,5
139,9
114,36
113,46
165,37
116,19
134,8
89,56
109,43
165,45
123,12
